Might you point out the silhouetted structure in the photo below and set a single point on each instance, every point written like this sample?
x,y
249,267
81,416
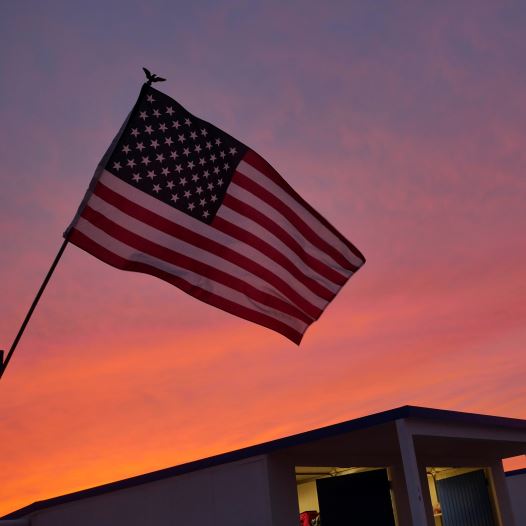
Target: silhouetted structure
x,y
407,466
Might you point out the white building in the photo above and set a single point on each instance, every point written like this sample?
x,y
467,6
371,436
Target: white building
x,y
407,466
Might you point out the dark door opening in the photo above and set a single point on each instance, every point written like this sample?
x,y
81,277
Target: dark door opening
x,y
357,499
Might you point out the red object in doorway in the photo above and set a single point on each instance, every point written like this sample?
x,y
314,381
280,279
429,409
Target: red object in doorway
x,y
306,517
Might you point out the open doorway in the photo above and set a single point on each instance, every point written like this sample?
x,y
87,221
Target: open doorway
x,y
462,496
336,496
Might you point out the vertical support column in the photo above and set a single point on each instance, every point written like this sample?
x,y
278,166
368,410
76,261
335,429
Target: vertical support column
x,y
401,503
413,483
282,490
500,488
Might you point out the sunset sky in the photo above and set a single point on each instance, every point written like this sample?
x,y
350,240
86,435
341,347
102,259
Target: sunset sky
x,y
403,123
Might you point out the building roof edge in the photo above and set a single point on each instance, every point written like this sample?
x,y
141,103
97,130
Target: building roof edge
x,y
355,424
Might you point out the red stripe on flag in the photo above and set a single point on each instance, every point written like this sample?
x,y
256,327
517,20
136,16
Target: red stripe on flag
x,y
254,188
198,267
268,250
85,243
272,227
180,232
255,160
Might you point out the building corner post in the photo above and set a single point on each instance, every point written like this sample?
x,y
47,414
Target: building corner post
x,y
500,487
415,492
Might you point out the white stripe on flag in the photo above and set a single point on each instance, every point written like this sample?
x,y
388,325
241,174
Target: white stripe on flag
x,y
270,237
260,178
182,247
255,202
203,282
172,214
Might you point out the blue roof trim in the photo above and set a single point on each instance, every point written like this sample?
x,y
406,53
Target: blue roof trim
x,y
515,472
274,445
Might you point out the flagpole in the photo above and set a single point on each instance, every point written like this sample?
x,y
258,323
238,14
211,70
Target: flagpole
x,y
3,364
151,77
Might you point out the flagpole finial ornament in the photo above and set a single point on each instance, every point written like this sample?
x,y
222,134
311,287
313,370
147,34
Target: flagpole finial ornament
x,y
152,77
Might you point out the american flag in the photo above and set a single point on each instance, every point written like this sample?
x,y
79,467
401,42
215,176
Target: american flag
x,y
180,199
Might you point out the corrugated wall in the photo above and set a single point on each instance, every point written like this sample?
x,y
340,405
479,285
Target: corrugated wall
x,y
465,500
